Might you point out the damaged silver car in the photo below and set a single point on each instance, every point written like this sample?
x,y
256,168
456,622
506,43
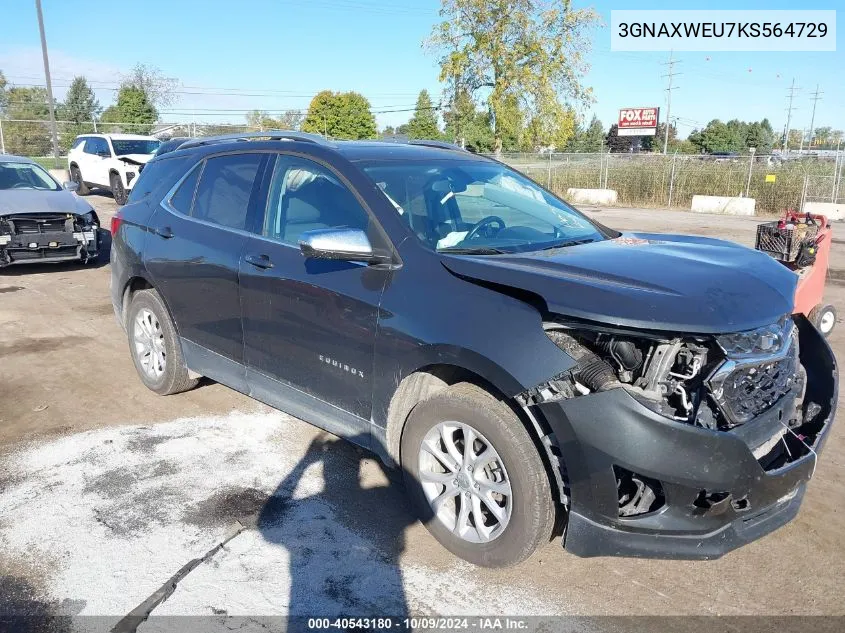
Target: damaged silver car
x,y
42,221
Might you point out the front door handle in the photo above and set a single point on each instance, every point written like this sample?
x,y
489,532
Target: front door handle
x,y
259,261
164,231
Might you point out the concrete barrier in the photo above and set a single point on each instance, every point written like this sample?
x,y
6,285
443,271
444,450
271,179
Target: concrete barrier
x,y
59,174
723,204
831,210
591,196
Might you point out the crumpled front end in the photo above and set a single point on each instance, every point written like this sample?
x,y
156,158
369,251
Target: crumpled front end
x,y
48,237
687,446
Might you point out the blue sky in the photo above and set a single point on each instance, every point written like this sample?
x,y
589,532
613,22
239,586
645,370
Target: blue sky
x,y
275,54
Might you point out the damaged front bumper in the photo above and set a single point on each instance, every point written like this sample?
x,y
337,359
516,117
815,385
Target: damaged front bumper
x,y
706,492
48,238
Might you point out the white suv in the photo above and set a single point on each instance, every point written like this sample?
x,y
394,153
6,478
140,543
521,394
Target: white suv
x,y
109,161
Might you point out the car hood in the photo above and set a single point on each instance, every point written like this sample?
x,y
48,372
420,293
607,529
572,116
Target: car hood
x,y
657,282
21,201
136,159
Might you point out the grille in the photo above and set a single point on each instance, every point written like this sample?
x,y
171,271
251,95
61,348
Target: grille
x,y
749,391
31,226
44,253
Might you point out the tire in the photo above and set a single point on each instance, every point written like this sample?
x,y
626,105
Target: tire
x,y
148,326
824,318
117,189
529,509
76,176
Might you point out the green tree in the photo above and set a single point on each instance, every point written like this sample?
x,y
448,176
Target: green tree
x,y
655,143
821,136
468,126
27,135
133,110
3,96
521,49
423,123
81,108
587,139
760,136
261,120
616,143
344,115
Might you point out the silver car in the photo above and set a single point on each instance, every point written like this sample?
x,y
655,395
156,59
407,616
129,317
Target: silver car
x,y
42,221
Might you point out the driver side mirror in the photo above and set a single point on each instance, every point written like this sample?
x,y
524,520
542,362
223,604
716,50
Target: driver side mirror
x,y
351,245
104,153
71,186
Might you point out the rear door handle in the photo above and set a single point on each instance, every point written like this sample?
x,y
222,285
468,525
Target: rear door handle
x,y
165,231
259,261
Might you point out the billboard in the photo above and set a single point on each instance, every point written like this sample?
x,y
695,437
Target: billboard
x,y
638,121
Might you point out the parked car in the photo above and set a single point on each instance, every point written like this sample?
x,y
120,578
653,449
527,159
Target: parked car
x,y
171,144
42,221
520,362
109,161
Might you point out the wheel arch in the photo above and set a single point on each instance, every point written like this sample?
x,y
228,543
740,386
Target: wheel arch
x,y
427,381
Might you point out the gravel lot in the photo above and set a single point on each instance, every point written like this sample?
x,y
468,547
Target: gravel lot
x,y
107,490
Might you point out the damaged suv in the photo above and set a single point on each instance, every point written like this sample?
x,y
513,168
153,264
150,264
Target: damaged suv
x,y
532,372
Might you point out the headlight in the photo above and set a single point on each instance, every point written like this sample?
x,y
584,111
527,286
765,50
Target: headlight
x,y
769,339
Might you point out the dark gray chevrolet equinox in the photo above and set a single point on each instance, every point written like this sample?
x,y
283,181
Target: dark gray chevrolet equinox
x,y
532,372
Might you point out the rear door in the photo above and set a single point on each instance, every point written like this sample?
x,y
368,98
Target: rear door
x,y
310,323
95,164
198,233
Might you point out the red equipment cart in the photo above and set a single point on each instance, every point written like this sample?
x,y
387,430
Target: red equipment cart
x,y
802,243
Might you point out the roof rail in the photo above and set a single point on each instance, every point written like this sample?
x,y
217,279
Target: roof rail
x,y
273,135
440,144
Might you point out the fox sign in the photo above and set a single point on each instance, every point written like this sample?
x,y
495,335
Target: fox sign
x,y
638,121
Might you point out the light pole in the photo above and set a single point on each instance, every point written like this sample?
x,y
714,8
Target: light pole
x,y
53,132
750,167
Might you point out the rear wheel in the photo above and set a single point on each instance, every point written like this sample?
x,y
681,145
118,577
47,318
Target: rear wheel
x,y
117,189
475,477
76,176
155,346
824,318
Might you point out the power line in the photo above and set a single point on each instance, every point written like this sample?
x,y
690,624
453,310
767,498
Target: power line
x,y
671,74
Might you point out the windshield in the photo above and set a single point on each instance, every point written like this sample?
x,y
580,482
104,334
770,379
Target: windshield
x,y
478,207
26,176
138,146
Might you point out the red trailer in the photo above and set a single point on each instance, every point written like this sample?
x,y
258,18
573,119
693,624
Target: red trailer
x,y
802,243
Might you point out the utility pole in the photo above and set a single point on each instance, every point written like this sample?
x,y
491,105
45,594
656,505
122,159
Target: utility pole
x,y
53,131
789,109
670,75
816,97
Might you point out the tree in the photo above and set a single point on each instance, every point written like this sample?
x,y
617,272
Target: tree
x,y
522,49
160,90
655,143
344,115
3,96
760,136
133,109
80,107
586,139
616,143
821,136
26,135
423,123
467,126
261,120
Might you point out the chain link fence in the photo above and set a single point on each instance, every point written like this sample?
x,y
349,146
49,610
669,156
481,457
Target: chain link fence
x,y
655,180
826,188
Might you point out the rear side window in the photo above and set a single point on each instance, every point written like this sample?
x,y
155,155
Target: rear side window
x,y
77,143
184,196
224,189
157,175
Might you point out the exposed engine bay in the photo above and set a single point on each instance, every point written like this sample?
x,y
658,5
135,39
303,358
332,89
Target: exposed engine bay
x,y
689,379
48,237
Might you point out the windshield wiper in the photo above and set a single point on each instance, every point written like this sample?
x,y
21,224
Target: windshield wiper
x,y
483,250
587,240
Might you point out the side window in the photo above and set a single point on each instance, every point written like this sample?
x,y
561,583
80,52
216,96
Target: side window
x,y
305,196
90,146
184,196
77,143
224,189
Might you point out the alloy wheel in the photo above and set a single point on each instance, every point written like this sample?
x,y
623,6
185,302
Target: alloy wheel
x,y
148,338
465,481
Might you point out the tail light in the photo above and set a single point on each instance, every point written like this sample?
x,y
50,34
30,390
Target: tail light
x,y
116,221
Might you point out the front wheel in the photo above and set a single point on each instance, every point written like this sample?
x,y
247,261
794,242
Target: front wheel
x,y
76,176
117,189
824,318
475,477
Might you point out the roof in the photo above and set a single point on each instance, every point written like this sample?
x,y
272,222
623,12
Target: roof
x,y
11,158
381,150
123,137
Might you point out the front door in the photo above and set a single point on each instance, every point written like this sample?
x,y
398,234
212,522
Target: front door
x,y
310,323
